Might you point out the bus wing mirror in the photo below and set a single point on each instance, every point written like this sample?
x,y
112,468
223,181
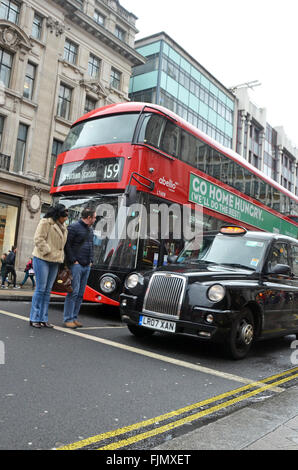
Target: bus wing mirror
x,y
130,195
131,191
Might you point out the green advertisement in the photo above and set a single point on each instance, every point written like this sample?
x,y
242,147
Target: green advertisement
x,y
220,200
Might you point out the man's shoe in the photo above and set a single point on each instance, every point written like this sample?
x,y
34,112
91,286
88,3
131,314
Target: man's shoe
x,y
78,324
70,324
35,324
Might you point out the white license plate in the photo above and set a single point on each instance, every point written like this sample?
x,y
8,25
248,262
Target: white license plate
x,y
157,324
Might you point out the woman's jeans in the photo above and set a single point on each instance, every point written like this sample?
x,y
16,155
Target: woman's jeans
x,y
74,299
45,275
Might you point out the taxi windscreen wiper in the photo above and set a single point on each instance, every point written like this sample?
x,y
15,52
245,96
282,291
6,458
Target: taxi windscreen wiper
x,y
238,265
201,261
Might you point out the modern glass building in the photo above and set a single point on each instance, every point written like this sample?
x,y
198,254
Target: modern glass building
x,y
172,78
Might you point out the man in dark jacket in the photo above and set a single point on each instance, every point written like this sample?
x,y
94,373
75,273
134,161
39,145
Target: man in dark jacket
x,y
79,256
10,262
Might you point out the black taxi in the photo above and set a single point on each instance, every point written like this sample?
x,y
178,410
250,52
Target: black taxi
x,y
237,287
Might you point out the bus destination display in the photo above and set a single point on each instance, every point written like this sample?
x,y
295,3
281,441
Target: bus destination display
x,y
90,171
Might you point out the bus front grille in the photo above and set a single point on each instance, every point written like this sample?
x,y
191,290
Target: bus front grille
x,y
164,294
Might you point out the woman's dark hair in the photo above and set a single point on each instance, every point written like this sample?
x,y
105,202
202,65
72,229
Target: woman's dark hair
x,y
59,210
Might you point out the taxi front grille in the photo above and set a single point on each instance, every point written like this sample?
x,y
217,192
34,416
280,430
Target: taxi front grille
x,y
164,295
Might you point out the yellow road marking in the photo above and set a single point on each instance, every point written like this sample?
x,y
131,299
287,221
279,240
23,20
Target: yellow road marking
x,y
158,419
181,422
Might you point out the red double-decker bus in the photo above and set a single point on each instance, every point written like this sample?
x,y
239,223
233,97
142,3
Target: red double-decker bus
x,y
129,155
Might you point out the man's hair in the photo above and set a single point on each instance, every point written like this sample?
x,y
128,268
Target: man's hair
x,y
87,212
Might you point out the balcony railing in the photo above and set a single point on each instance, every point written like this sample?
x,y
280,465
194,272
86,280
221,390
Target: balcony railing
x,y
4,162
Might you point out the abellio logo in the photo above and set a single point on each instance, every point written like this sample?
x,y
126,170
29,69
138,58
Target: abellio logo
x,y
168,183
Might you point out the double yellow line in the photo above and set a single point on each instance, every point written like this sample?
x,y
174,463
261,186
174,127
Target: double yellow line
x,y
274,380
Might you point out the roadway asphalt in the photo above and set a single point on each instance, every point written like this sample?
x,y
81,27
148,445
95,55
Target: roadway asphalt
x,y
268,424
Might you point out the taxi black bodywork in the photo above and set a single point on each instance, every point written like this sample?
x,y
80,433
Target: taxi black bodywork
x,y
237,287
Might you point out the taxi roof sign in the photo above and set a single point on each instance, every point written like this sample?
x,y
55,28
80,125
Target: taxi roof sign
x,y
232,230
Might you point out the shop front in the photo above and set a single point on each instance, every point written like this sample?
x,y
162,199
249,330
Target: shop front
x,y
9,221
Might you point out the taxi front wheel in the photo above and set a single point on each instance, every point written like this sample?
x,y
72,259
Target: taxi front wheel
x,y
139,331
241,335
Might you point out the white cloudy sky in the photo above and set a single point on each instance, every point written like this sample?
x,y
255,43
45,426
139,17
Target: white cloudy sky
x,y
237,41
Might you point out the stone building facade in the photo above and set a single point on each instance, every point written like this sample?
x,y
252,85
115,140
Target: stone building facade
x,y
58,60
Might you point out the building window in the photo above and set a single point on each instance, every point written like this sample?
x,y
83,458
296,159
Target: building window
x,y
81,2
115,79
70,51
5,67
90,104
64,101
56,149
93,66
20,148
10,11
99,18
29,81
1,128
37,26
120,33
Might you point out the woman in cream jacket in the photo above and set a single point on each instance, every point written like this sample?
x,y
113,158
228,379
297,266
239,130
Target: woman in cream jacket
x,y
49,241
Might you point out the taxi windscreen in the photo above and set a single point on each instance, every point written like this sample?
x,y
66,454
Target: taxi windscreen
x,y
240,251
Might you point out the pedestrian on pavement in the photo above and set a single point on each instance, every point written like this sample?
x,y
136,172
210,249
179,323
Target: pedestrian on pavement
x,y
79,257
3,270
49,242
29,272
10,263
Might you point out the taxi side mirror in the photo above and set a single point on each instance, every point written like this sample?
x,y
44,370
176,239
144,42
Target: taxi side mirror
x,y
280,269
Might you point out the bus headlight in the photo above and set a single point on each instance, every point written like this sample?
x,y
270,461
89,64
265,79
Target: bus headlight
x,y
133,280
107,284
216,293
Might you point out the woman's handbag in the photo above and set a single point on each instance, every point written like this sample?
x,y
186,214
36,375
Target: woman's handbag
x,y
63,280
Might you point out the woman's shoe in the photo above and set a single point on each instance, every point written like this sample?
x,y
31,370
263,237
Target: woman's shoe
x,y
46,324
35,324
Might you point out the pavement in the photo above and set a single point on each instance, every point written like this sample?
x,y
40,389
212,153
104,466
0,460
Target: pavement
x,y
25,293
269,424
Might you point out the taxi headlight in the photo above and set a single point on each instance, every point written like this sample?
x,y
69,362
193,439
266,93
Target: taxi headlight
x,y
216,293
107,284
132,280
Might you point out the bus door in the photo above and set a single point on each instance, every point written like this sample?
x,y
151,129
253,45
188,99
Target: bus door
x,y
161,231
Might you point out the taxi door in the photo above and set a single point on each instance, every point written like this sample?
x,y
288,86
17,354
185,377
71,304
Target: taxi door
x,y
280,291
294,267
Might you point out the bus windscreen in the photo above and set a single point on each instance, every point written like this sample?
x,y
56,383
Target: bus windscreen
x,y
100,131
